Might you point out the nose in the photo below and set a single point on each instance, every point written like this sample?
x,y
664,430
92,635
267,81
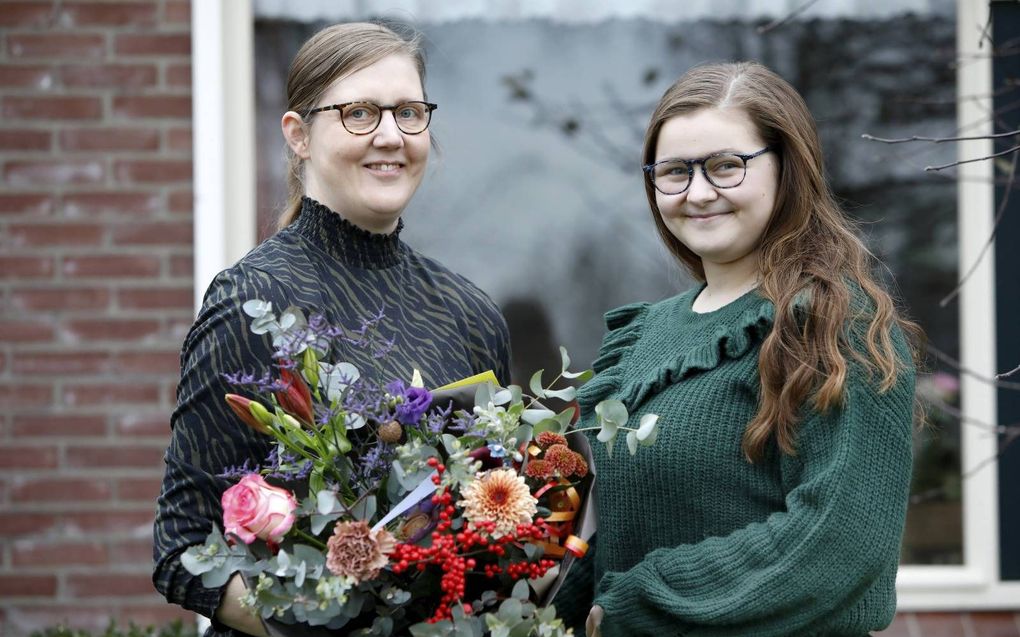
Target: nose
x,y
701,191
387,134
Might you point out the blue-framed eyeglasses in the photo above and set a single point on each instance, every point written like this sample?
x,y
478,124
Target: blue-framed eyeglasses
x,y
722,170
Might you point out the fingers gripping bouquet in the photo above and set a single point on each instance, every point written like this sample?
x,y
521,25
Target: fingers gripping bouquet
x,y
386,509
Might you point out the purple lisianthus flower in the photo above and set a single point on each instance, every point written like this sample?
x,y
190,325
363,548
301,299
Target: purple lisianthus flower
x,y
417,401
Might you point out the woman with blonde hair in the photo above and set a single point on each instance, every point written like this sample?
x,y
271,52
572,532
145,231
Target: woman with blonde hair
x,y
357,132
774,499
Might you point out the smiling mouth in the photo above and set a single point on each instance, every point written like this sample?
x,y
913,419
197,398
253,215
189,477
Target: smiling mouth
x,y
384,167
708,216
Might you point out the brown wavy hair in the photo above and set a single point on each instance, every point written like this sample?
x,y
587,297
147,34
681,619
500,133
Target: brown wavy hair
x,y
331,54
810,251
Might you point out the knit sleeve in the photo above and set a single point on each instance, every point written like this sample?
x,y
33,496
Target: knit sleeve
x,y
207,437
847,491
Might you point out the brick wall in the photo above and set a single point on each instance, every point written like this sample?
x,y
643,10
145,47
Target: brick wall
x,y
95,284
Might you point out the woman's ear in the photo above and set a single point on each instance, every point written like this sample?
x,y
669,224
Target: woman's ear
x,y
295,132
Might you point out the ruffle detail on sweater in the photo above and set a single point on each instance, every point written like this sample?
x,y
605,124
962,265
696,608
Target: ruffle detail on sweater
x,y
727,342
625,324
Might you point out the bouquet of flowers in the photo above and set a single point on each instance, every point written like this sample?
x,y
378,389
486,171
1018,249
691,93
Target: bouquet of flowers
x,y
393,510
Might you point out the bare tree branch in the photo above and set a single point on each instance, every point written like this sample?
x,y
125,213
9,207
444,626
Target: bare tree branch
x,y
991,239
955,364
937,140
1008,374
775,24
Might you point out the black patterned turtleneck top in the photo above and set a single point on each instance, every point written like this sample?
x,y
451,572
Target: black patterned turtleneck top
x,y
442,325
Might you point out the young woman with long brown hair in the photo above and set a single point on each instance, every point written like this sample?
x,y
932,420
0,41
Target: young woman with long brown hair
x,y
774,499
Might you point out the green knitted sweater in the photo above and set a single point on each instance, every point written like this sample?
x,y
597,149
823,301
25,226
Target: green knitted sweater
x,y
695,540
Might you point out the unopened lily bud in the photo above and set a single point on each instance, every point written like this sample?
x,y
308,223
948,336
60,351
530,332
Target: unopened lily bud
x,y
260,413
242,407
296,398
290,421
310,366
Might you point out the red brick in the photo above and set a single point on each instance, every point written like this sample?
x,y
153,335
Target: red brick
x,y
111,203
153,106
25,266
69,234
153,44
154,171
109,75
64,363
159,614
93,14
109,585
179,139
105,329
181,201
132,551
77,298
941,624
131,391
134,424
52,107
57,45
155,298
14,524
110,457
135,265
22,331
92,139
25,204
58,425
60,490
154,233
53,172
27,76
25,140
27,457
142,489
21,585
154,362
178,75
22,395
117,521
996,624
182,265
27,14
177,12
36,553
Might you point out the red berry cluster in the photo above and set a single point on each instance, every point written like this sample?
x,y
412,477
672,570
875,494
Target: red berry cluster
x,y
452,551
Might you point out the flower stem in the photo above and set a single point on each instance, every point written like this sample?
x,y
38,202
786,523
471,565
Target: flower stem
x,y
316,542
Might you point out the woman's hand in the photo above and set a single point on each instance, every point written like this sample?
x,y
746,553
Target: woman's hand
x,y
591,625
236,616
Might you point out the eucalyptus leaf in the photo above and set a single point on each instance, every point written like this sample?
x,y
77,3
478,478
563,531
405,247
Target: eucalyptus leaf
x,y
648,429
218,576
502,397
549,424
510,609
535,384
584,376
612,410
319,522
196,561
365,509
257,308
483,394
520,591
567,393
535,416
326,502
632,442
564,359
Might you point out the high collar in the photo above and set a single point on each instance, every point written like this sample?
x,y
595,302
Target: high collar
x,y
345,241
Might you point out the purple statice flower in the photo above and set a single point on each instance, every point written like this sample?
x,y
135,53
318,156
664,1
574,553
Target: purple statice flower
x,y
239,378
238,472
437,420
287,466
368,400
464,423
374,463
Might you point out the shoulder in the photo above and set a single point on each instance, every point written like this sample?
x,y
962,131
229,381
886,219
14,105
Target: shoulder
x,y
458,291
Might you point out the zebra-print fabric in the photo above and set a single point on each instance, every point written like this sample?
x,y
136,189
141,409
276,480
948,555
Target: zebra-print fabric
x,y
442,324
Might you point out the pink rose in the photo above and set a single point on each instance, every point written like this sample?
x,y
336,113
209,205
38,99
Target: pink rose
x,y
253,508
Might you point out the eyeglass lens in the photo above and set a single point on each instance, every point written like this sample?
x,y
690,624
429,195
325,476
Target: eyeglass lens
x,y
722,171
363,117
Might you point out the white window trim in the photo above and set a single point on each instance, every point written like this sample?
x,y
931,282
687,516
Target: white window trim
x,y
223,120
224,114
976,583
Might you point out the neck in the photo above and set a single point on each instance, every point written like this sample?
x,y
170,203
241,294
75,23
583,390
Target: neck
x,y
726,283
